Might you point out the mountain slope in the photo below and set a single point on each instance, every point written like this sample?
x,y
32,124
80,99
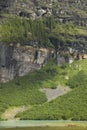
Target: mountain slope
x,y
26,91
66,10
68,107
56,25
71,106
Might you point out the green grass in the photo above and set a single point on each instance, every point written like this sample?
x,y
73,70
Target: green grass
x,y
70,29
25,91
47,32
71,106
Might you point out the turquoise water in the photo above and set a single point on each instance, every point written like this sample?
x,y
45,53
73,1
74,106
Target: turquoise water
x,y
38,125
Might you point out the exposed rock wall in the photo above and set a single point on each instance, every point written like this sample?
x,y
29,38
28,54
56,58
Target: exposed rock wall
x,y
70,53
18,61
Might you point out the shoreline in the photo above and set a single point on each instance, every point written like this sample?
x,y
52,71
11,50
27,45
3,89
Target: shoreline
x,y
41,123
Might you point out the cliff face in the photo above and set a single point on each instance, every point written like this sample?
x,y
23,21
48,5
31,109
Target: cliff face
x,y
20,60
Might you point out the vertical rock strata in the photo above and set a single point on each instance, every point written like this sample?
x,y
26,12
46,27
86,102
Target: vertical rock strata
x,y
18,61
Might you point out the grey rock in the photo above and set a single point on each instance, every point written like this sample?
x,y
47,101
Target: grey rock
x,y
20,60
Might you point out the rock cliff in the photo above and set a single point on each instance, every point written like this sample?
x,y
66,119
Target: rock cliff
x,y
20,60
16,60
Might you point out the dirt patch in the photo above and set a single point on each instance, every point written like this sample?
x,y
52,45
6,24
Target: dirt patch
x,y
54,93
10,113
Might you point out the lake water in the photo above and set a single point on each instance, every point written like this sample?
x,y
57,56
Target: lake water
x,y
41,125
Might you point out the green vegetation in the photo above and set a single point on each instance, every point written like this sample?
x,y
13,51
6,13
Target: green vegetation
x,y
78,80
15,29
71,106
44,31
25,91
68,33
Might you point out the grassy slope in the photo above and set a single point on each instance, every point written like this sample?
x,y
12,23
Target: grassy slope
x,y
25,91
70,106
